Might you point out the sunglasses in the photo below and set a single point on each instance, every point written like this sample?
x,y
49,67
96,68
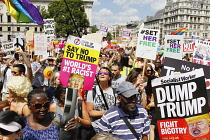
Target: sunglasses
x,y
14,72
103,72
149,70
46,105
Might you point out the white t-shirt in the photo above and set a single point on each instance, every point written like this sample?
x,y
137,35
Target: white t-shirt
x,y
98,102
116,82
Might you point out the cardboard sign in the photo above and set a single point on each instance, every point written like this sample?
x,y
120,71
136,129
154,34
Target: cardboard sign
x,y
181,103
201,53
173,46
8,46
147,43
80,62
40,44
172,66
49,27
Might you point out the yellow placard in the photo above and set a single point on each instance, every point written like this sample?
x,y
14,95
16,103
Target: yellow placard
x,y
81,53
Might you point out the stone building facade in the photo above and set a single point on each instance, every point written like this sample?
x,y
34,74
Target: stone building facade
x,y
192,14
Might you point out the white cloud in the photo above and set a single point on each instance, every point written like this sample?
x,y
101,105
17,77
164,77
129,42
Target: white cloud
x,y
154,4
124,11
108,17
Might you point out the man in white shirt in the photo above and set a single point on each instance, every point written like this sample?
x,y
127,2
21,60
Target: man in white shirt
x,y
117,77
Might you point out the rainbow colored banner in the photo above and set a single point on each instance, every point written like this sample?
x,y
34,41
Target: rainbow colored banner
x,y
179,31
23,11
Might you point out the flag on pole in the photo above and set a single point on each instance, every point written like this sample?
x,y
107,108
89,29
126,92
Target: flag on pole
x,y
23,11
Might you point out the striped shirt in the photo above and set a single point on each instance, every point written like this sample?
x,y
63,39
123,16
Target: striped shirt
x,y
112,122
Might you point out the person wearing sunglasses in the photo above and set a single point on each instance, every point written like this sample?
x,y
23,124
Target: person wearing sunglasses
x,y
81,122
18,89
96,105
39,124
127,109
11,125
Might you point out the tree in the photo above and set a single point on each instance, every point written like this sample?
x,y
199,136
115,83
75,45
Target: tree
x,y
109,36
64,25
94,29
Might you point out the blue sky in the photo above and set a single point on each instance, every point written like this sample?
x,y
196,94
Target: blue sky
x,y
123,11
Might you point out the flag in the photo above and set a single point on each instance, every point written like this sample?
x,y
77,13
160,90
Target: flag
x,y
23,11
179,31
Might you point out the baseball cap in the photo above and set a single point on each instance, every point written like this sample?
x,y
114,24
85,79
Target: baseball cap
x,y
8,57
11,127
126,89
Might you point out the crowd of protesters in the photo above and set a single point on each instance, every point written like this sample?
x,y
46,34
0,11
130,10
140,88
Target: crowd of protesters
x,y
123,79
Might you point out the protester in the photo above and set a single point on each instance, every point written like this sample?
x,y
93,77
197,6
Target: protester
x,y
39,124
150,107
149,72
48,63
96,105
135,77
37,70
24,59
158,67
53,84
126,68
18,88
11,125
81,122
6,74
112,121
117,77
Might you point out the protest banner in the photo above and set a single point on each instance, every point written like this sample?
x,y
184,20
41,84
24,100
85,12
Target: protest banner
x,y
81,58
173,44
40,44
133,42
29,35
95,37
104,29
181,106
201,53
188,47
147,43
8,46
172,66
126,35
49,27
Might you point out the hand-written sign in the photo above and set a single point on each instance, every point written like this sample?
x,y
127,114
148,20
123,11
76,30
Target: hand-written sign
x,y
173,46
147,43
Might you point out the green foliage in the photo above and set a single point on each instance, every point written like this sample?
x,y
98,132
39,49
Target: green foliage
x,y
109,36
94,29
63,22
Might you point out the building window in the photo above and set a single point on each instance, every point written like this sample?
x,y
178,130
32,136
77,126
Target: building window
x,y
40,29
198,26
0,28
205,35
18,28
1,20
35,29
8,18
194,26
9,28
9,37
